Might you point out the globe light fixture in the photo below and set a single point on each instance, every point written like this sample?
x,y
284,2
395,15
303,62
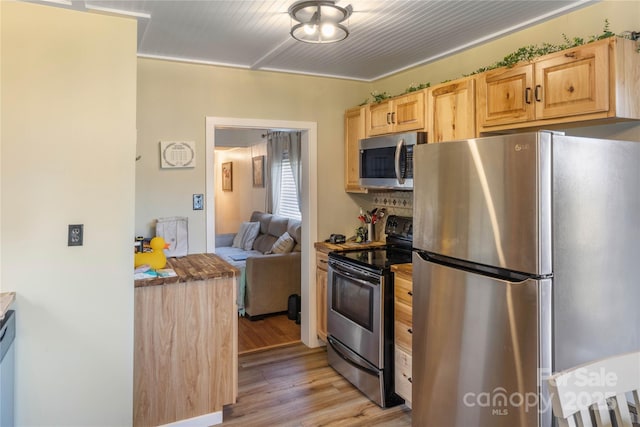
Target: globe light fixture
x,y
319,21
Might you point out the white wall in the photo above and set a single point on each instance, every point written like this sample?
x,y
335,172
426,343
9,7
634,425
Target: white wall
x,y
235,207
68,150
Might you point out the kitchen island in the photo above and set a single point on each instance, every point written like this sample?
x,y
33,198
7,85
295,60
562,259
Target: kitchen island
x,y
185,343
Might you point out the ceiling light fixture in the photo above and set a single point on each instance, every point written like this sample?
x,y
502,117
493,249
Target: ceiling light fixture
x,y
319,21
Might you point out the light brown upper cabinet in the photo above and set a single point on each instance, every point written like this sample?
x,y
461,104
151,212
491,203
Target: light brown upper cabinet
x,y
353,133
599,80
400,114
451,111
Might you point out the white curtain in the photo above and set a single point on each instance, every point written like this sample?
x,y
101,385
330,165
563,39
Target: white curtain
x,y
295,156
277,144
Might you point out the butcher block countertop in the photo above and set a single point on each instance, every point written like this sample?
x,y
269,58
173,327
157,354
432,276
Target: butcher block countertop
x,y
327,247
406,269
6,299
193,267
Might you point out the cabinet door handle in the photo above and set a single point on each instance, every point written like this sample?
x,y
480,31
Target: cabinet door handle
x,y
527,95
410,293
393,117
388,118
409,379
537,93
410,330
570,55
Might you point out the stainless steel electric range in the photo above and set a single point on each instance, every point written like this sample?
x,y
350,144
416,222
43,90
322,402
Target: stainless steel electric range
x,y
360,312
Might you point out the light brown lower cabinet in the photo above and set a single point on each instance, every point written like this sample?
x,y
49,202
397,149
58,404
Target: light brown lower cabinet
x,y
403,328
321,294
185,350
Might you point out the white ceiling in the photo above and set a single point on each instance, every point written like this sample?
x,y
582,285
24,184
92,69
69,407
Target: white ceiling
x,y
387,36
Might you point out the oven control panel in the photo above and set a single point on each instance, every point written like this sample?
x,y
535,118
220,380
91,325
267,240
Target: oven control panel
x,y
399,226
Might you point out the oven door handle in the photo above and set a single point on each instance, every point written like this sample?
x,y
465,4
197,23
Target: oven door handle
x,y
354,277
399,174
349,359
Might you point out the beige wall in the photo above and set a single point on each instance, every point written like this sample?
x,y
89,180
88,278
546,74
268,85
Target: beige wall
x,y
68,146
235,207
173,101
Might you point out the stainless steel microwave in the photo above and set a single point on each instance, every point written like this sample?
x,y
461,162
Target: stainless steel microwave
x,y
386,162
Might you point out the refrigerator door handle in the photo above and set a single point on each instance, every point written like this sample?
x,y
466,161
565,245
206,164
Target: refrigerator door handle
x,y
399,174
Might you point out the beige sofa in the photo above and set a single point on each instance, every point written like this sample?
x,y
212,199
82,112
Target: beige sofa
x,y
267,279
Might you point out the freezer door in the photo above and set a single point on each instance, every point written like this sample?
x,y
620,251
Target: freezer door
x,y
481,349
486,200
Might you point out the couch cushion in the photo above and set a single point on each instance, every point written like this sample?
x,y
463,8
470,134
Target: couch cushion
x,y
264,242
263,218
246,235
272,227
234,256
295,230
283,245
278,226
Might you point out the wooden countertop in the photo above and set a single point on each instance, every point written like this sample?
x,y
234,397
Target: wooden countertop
x,y
327,247
6,299
403,269
193,267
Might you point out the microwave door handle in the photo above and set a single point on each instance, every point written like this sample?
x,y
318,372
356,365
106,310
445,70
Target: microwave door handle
x,y
398,154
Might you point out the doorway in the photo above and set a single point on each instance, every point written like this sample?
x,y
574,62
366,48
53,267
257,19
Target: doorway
x,y
308,208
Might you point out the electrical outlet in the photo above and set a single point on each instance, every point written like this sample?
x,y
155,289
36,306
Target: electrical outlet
x,y
75,235
198,202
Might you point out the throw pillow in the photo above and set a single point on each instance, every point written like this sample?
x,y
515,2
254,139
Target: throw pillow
x,y
283,245
246,235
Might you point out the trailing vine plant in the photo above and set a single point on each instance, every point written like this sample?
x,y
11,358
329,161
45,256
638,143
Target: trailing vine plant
x,y
379,97
525,53
414,87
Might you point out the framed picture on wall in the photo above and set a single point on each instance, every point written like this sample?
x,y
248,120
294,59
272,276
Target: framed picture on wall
x,y
258,171
227,176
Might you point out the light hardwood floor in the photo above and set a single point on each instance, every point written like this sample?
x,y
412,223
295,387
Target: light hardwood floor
x,y
294,386
270,332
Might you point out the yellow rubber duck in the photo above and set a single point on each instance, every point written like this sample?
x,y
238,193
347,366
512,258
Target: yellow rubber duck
x,y
154,259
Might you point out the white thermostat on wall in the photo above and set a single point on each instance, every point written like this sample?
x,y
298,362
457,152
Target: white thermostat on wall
x,y
177,154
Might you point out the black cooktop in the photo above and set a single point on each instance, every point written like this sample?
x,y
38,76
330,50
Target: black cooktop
x,y
399,231
378,258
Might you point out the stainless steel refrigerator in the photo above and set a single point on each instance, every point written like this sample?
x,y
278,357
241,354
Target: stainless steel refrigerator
x,y
527,262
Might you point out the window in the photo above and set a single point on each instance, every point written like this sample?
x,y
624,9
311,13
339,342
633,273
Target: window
x,y
288,199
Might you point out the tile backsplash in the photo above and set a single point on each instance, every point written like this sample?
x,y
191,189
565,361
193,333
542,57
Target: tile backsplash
x,y
396,202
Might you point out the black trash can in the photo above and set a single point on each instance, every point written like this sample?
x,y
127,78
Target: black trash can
x,y
293,307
